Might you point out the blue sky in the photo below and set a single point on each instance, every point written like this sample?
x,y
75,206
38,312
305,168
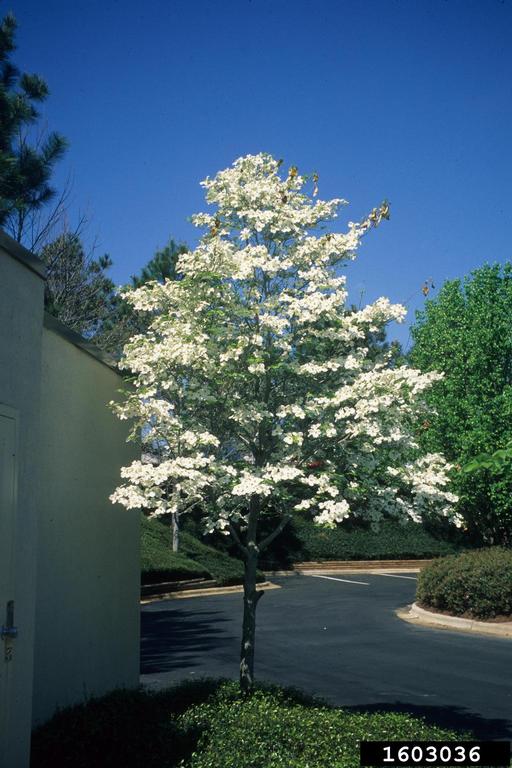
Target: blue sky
x,y
408,100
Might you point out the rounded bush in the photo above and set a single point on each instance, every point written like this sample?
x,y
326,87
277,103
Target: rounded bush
x,y
476,584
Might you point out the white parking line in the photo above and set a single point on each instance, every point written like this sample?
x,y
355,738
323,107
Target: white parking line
x,y
396,576
333,578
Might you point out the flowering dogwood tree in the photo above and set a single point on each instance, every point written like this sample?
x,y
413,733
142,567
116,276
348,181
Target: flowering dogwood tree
x,y
254,383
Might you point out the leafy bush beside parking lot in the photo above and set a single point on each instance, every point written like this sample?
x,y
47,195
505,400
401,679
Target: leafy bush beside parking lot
x,y
206,724
476,584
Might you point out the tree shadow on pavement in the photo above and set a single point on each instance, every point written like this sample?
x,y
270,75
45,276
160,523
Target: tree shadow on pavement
x,y
174,638
455,718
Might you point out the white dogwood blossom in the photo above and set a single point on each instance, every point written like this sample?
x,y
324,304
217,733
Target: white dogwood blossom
x,y
254,378
257,388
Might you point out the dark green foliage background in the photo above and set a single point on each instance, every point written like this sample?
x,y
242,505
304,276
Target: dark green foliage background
x,y
391,541
303,540
477,584
466,332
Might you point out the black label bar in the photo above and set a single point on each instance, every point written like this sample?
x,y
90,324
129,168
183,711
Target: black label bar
x,y
435,753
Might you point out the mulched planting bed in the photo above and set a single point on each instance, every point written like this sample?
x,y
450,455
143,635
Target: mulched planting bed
x,y
503,619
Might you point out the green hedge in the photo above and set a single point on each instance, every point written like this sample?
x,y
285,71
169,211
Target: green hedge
x,y
194,559
476,584
392,541
206,724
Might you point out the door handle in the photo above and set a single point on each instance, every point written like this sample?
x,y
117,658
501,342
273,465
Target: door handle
x,y
8,630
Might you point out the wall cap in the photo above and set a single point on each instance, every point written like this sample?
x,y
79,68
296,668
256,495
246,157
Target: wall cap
x,y
22,254
52,324
26,257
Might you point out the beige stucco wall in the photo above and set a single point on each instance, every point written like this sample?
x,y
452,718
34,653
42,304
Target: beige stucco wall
x,y
21,314
87,614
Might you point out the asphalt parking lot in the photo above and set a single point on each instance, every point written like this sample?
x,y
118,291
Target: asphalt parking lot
x,y
338,637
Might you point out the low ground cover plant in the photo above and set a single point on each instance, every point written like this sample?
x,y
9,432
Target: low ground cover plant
x,y
274,730
208,724
475,584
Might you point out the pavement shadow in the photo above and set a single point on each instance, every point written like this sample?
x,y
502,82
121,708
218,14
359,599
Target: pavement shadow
x,y
175,638
455,718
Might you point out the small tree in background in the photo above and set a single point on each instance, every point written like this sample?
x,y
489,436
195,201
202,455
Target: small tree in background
x,y
254,382
77,290
466,332
26,163
80,293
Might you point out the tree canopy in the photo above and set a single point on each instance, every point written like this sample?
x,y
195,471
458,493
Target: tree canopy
x,y
466,333
254,381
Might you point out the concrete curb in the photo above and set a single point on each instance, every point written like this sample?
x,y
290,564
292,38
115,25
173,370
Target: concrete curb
x,y
417,615
351,566
165,587
266,585
354,571
332,566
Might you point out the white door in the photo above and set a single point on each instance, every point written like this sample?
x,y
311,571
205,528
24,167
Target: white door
x,y
8,430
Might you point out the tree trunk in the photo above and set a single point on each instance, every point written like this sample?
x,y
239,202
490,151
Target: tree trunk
x,y
175,531
251,597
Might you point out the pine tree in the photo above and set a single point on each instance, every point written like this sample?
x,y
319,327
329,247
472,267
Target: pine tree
x,y
25,167
162,266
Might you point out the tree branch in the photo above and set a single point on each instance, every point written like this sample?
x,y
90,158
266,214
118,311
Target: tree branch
x,y
237,539
270,538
